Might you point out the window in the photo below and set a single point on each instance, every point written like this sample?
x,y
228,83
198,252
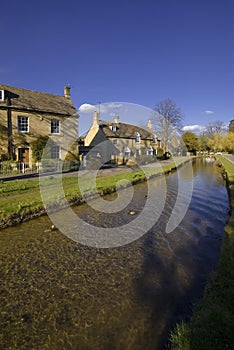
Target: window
x,y
23,125
2,97
54,126
150,151
154,139
127,152
138,152
115,141
138,137
55,152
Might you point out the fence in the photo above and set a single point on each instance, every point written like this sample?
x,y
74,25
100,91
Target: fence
x,y
9,167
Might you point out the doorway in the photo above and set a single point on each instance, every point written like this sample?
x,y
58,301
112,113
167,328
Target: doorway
x,y
23,156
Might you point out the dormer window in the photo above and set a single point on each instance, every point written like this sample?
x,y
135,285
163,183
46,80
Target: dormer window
x,y
154,139
138,137
113,128
2,95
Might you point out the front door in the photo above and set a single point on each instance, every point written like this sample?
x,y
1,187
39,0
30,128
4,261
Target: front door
x,y
24,155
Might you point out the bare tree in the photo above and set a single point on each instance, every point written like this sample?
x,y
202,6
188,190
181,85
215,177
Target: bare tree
x,y
216,127
167,120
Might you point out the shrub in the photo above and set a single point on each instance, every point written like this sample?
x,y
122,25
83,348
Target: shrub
x,y
38,147
180,337
160,153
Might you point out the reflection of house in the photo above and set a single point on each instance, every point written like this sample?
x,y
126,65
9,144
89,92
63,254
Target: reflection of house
x,y
25,115
124,140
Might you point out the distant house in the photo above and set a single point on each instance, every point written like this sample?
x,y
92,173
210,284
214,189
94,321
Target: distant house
x,y
124,141
231,126
25,115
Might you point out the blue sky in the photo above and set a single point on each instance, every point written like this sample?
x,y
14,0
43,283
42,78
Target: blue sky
x,y
137,52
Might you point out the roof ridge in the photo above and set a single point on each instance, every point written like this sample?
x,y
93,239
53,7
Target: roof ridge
x,y
37,100
134,125
30,90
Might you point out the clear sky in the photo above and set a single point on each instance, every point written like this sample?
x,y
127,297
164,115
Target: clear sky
x,y
139,52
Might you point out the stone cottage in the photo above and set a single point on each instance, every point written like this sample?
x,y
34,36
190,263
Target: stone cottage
x,y
25,115
125,141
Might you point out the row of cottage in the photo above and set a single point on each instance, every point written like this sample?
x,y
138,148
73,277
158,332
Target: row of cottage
x,y
25,115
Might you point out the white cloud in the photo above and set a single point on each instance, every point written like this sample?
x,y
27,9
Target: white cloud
x,y
111,108
208,112
128,112
87,108
194,128
105,108
113,105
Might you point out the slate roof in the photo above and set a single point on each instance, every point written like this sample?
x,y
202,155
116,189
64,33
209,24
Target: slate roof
x,y
36,101
125,130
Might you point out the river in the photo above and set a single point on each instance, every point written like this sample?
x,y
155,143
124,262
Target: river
x,y
59,294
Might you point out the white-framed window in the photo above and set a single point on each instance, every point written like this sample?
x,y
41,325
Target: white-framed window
x,y
23,124
138,152
138,138
127,152
150,151
154,139
54,126
55,152
2,95
113,128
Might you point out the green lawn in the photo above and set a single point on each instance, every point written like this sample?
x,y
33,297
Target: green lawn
x,y
22,196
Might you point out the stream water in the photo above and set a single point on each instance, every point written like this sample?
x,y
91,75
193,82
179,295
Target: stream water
x,y
58,294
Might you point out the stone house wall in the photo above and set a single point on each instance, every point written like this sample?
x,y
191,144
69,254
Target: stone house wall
x,y
39,109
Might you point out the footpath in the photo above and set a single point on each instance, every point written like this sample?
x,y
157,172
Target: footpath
x,y
104,171
231,158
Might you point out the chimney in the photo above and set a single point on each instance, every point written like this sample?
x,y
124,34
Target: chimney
x,y
67,92
150,126
95,118
116,119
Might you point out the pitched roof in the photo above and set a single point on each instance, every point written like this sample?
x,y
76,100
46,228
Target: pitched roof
x,y
124,130
36,101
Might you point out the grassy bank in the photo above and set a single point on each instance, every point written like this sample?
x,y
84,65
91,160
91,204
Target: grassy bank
x,y
21,199
212,324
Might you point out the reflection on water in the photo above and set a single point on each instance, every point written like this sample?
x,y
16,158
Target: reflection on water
x,y
58,294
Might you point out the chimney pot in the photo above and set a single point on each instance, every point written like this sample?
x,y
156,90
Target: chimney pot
x,y
95,118
116,119
67,92
150,126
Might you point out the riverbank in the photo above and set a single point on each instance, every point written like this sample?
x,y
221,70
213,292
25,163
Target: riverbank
x,y
212,324
21,199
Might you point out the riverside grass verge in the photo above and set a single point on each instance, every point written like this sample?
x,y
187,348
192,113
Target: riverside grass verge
x,y
20,200
212,322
